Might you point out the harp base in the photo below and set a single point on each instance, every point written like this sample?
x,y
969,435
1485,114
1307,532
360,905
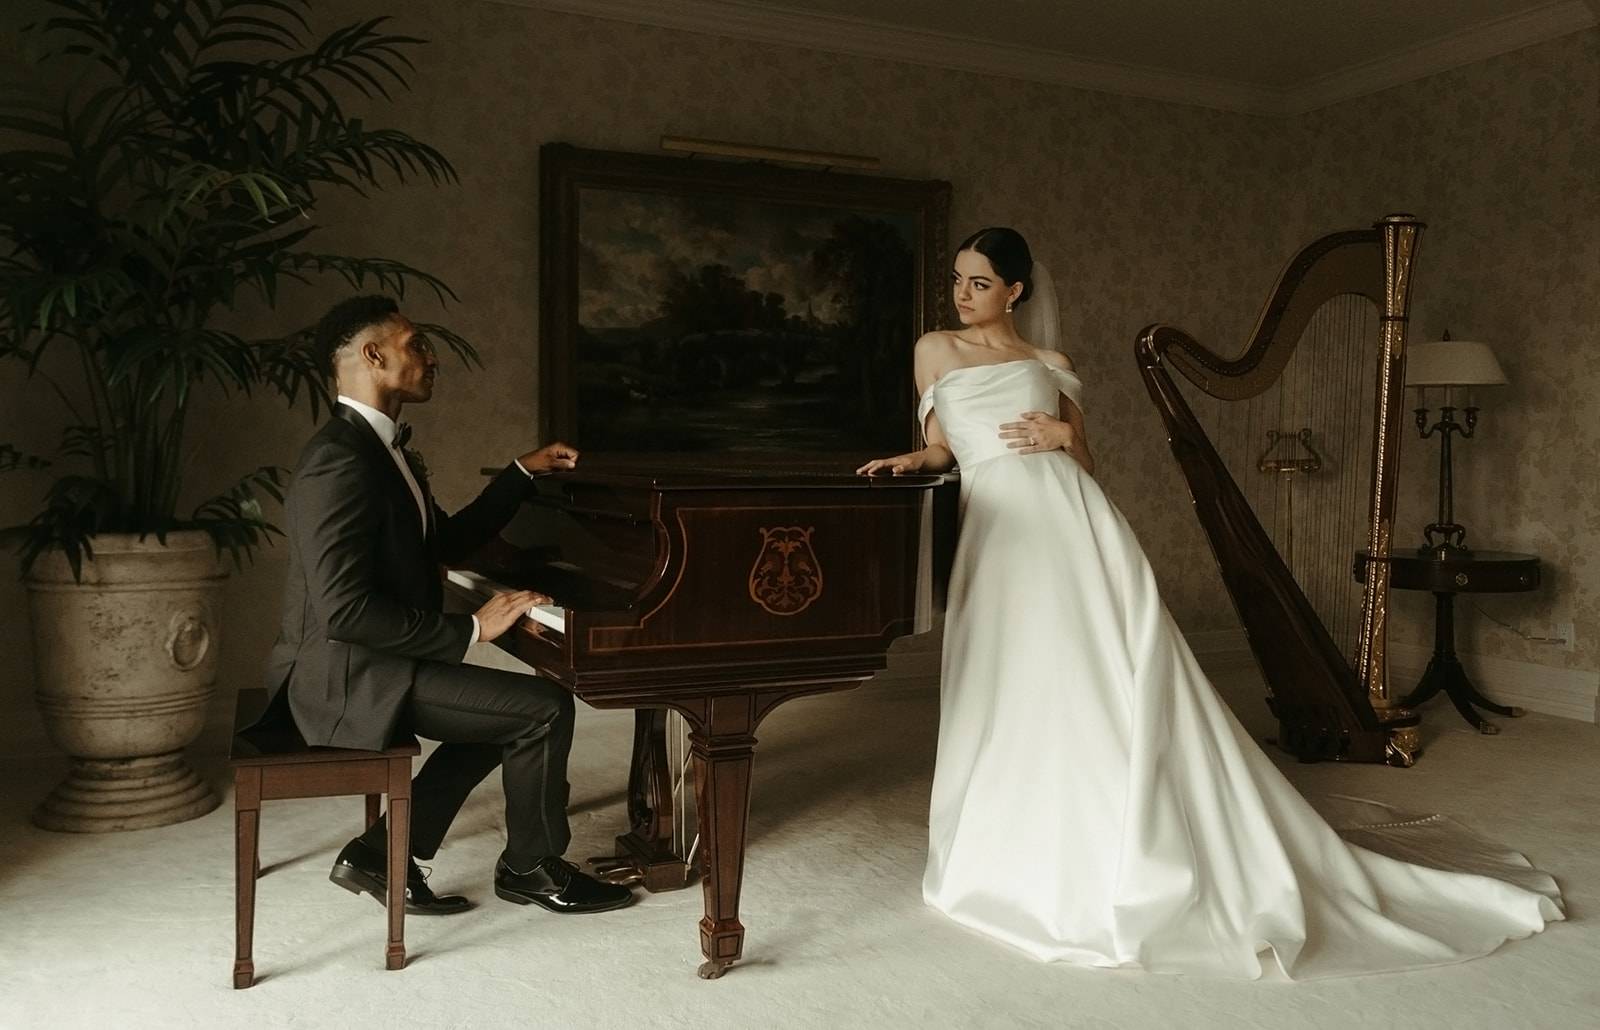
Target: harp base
x,y
1404,745
1395,741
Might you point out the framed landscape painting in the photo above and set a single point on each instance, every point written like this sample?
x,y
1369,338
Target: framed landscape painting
x,y
700,307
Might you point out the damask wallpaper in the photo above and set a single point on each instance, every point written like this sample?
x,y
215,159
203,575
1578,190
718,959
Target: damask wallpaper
x,y
1502,159
1145,211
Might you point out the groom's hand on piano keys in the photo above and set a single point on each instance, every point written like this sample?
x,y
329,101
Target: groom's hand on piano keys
x,y
551,457
502,611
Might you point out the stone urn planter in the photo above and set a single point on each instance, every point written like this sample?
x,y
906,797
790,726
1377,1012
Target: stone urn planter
x,y
126,664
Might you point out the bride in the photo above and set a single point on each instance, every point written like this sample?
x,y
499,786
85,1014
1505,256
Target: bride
x,y
1094,801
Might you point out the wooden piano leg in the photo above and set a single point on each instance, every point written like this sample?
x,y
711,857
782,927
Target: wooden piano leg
x,y
723,751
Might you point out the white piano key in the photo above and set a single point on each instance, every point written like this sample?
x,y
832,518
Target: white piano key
x,y
469,580
552,616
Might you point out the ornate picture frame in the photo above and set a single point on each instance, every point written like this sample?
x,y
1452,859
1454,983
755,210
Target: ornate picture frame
x,y
697,306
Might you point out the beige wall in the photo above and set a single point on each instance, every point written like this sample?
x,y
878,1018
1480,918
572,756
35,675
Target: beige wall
x,y
1502,159
1144,210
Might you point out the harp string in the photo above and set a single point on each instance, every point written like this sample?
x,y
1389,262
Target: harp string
x,y
1316,518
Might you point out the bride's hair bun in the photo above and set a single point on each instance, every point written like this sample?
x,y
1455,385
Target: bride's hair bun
x,y
1008,252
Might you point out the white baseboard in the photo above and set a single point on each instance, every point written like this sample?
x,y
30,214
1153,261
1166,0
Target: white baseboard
x,y
1569,693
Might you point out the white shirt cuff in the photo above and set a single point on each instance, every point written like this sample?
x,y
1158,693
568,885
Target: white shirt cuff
x,y
477,631
518,463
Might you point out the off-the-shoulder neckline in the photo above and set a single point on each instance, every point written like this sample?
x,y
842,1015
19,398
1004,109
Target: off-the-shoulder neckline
x,y
995,364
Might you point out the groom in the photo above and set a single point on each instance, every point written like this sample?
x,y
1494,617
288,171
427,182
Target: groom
x,y
364,651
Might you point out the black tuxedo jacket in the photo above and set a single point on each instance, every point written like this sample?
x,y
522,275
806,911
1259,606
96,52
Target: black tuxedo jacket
x,y
362,601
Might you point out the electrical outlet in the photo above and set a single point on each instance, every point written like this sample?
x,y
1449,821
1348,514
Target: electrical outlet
x,y
1567,634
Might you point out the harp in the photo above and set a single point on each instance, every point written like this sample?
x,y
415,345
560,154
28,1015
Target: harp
x,y
1329,348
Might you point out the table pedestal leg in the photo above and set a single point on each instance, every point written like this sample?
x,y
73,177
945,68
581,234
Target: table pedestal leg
x,y
1446,673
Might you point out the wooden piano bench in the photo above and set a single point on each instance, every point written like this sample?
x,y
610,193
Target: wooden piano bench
x,y
276,764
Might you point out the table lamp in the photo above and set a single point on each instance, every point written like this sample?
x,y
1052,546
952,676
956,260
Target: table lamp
x,y
1453,365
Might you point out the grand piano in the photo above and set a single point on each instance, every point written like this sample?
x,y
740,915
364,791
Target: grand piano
x,y
717,591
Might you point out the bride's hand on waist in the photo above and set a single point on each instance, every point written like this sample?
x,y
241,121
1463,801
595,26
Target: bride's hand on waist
x,y
1036,431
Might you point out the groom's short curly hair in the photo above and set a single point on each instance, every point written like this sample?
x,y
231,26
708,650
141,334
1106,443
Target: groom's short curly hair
x,y
344,321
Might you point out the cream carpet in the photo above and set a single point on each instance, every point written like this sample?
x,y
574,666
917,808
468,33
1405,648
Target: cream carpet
x,y
136,930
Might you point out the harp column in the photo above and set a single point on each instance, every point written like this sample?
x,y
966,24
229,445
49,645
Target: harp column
x,y
1400,235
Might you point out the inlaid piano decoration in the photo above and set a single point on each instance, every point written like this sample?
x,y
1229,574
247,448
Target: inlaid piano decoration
x,y
718,592
715,573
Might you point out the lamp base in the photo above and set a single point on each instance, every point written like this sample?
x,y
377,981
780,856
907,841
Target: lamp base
x,y
1445,539
1444,552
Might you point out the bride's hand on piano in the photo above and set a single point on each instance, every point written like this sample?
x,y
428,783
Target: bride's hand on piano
x,y
500,612
899,465
551,457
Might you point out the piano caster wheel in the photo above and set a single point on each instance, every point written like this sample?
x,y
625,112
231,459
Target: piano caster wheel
x,y
711,970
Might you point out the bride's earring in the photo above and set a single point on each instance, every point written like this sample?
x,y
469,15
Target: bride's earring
x,y
1008,307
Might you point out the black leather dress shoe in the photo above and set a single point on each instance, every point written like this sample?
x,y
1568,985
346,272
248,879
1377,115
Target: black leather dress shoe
x,y
559,886
363,868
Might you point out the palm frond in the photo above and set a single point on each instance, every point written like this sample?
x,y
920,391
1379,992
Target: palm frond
x,y
168,363
80,441
458,345
290,364
12,459
234,518
178,167
384,274
76,508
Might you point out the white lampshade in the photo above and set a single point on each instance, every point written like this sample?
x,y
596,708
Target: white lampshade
x,y
1452,363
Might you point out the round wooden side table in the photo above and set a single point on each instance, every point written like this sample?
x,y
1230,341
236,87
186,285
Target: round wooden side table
x,y
1446,575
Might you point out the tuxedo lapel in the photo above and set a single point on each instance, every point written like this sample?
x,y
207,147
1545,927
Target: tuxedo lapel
x,y
380,453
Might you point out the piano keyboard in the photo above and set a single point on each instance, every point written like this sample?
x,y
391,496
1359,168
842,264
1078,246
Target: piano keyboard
x,y
552,616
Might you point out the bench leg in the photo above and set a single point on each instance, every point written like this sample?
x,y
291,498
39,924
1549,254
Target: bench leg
x,y
246,834
399,845
372,809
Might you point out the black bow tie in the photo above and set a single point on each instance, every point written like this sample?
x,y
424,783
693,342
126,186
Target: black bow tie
x,y
402,436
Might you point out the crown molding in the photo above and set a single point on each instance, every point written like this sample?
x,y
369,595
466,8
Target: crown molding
x,y
739,19
1479,43
863,38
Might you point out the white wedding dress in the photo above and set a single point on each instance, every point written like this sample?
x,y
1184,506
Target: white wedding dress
x,y
1096,802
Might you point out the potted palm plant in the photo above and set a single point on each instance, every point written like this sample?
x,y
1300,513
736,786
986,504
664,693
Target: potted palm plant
x,y
172,181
